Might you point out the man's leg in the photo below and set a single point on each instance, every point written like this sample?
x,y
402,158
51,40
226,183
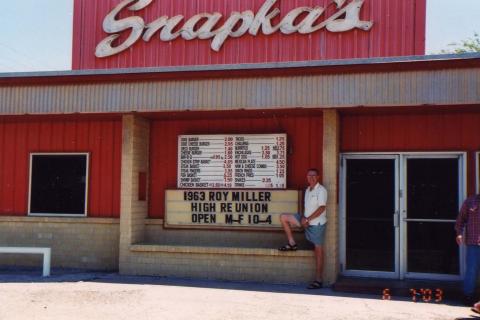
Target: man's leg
x,y
470,281
318,263
289,220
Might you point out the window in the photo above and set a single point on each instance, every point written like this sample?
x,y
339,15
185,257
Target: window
x,y
58,184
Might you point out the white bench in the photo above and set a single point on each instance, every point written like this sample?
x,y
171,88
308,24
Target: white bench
x,y
47,253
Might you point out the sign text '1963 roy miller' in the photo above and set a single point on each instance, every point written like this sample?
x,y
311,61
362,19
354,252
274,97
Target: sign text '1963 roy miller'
x,y
251,209
209,25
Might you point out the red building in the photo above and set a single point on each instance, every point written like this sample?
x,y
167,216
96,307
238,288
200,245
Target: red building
x,y
87,156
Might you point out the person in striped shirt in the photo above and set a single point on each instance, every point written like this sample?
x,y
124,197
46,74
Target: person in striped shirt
x,y
468,233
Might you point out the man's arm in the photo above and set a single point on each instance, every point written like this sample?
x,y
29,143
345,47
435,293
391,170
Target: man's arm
x,y
322,203
317,213
460,224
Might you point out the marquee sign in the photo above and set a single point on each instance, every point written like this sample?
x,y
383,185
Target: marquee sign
x,y
210,25
228,208
232,161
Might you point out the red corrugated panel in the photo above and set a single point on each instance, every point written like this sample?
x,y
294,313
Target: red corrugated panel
x,y
305,143
101,138
433,131
411,132
399,30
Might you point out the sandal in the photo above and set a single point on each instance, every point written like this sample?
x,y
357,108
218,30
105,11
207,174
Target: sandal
x,y
288,247
315,285
476,308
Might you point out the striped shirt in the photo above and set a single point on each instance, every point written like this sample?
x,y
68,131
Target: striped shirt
x,y
468,221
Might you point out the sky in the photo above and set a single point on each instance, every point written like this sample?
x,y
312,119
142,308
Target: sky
x,y
36,35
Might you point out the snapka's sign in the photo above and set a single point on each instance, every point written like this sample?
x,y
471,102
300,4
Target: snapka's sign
x,y
206,26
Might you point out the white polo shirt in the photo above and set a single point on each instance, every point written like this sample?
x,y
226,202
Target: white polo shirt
x,y
313,200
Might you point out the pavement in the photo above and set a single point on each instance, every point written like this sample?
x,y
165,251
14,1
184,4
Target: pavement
x,y
70,294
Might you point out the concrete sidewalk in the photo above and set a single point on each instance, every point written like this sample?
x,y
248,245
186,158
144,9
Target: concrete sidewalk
x,y
110,296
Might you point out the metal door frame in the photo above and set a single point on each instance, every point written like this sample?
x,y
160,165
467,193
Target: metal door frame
x,y
342,215
462,193
400,206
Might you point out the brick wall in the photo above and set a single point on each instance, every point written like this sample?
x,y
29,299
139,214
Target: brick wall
x,y
331,149
155,233
133,212
222,254
86,243
224,263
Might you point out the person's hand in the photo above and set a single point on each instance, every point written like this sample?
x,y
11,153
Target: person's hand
x,y
305,222
459,240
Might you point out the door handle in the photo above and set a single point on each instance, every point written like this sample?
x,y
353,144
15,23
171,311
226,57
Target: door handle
x,y
396,219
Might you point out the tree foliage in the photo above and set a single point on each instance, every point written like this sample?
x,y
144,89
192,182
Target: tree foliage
x,y
465,46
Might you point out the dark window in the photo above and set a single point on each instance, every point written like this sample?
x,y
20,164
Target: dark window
x,y
58,184
432,195
370,211
432,188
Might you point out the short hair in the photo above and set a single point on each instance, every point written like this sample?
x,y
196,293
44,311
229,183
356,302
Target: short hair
x,y
314,170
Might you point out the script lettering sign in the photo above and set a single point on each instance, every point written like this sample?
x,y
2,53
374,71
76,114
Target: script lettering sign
x,y
207,26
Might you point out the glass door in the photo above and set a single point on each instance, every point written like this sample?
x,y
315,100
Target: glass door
x,y
397,215
433,191
370,215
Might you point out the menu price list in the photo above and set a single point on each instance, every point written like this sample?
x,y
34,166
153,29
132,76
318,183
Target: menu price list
x,y
232,161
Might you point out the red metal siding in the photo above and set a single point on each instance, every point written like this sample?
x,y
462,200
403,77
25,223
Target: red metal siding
x,y
399,29
21,136
433,131
305,143
411,132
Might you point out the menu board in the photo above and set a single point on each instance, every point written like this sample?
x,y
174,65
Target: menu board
x,y
232,161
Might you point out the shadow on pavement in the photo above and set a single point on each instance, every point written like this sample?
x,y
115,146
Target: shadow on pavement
x,y
33,275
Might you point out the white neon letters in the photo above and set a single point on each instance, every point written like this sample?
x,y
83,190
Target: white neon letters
x,y
203,25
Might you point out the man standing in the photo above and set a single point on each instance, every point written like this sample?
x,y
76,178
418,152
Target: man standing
x,y
468,233
313,220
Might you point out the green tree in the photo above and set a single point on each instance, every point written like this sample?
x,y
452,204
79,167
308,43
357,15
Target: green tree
x,y
465,46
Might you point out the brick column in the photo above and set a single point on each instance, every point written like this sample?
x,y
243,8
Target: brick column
x,y
331,145
135,159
